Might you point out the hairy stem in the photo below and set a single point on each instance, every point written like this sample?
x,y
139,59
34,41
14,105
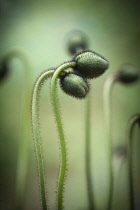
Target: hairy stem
x,y
129,138
88,154
60,130
107,111
36,135
22,160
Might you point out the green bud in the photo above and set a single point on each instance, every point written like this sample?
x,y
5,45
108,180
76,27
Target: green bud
x,y
128,74
76,40
74,85
4,70
90,64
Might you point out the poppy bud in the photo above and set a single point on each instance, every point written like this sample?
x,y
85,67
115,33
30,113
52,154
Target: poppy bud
x,y
90,64
74,85
4,70
128,74
76,40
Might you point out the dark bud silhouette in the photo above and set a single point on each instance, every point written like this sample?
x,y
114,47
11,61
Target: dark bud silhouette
x,y
4,70
128,74
76,41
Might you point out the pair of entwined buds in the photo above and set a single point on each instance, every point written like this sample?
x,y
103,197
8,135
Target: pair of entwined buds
x,y
88,65
73,77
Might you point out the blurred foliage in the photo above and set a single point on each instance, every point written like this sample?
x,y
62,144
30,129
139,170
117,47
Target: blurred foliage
x,y
40,27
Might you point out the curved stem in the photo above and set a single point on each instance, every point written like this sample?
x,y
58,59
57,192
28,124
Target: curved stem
x,y
36,135
60,130
107,111
129,138
22,160
88,155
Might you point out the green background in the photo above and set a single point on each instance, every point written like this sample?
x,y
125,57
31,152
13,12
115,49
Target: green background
x,y
40,28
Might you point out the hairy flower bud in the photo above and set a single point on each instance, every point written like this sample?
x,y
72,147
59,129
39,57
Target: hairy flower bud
x,y
90,64
74,85
128,74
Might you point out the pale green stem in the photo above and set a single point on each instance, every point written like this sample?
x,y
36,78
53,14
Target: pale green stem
x,y
107,112
122,164
36,134
22,160
129,138
88,154
60,130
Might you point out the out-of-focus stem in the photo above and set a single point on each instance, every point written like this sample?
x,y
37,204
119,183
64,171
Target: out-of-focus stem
x,y
22,159
108,87
88,154
129,139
